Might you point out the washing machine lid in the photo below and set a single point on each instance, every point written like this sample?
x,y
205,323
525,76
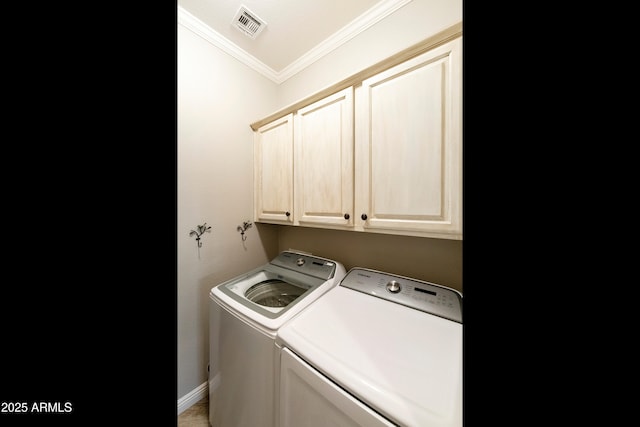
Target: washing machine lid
x,y
257,290
404,363
268,296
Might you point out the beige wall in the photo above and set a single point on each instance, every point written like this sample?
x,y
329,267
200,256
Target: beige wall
x,y
215,185
411,24
434,260
215,174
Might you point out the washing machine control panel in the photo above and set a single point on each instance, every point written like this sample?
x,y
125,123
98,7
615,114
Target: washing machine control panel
x,y
393,286
425,296
307,264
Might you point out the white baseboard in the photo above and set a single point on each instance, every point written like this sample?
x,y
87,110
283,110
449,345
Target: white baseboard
x,y
193,397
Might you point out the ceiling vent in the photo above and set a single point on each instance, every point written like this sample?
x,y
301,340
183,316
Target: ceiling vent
x,y
248,22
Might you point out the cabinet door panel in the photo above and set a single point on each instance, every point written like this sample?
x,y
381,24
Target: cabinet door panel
x,y
411,145
274,171
324,161
406,145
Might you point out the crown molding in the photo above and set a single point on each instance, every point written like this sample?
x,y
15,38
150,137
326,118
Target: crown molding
x,y
192,23
357,26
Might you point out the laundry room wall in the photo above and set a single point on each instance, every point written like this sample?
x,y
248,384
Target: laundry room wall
x,y
218,97
434,260
411,24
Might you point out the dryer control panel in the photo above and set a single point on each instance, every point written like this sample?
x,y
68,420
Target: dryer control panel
x,y
313,266
424,296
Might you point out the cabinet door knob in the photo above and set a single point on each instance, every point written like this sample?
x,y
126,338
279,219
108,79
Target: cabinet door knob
x,y
364,217
346,216
287,213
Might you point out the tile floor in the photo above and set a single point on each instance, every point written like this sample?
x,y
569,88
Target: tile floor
x,y
196,416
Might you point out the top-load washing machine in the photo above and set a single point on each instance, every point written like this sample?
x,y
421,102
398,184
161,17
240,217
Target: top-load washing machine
x,y
245,315
377,350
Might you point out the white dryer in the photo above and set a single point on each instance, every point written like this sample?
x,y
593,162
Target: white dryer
x,y
245,314
377,350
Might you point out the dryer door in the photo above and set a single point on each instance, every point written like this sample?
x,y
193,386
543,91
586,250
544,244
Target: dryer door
x,y
309,399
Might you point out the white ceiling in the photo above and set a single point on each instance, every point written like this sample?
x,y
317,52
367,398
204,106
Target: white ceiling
x,y
297,32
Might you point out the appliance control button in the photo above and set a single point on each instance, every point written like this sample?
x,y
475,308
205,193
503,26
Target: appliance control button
x,y
300,261
393,287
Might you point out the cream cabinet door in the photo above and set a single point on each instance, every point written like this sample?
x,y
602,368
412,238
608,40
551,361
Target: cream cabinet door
x,y
409,147
274,171
323,162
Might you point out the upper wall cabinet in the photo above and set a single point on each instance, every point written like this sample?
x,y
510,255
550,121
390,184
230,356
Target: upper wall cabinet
x,y
273,174
409,147
381,153
304,165
323,162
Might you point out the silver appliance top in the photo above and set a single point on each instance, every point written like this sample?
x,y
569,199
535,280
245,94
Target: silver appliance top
x,y
307,264
420,295
273,289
